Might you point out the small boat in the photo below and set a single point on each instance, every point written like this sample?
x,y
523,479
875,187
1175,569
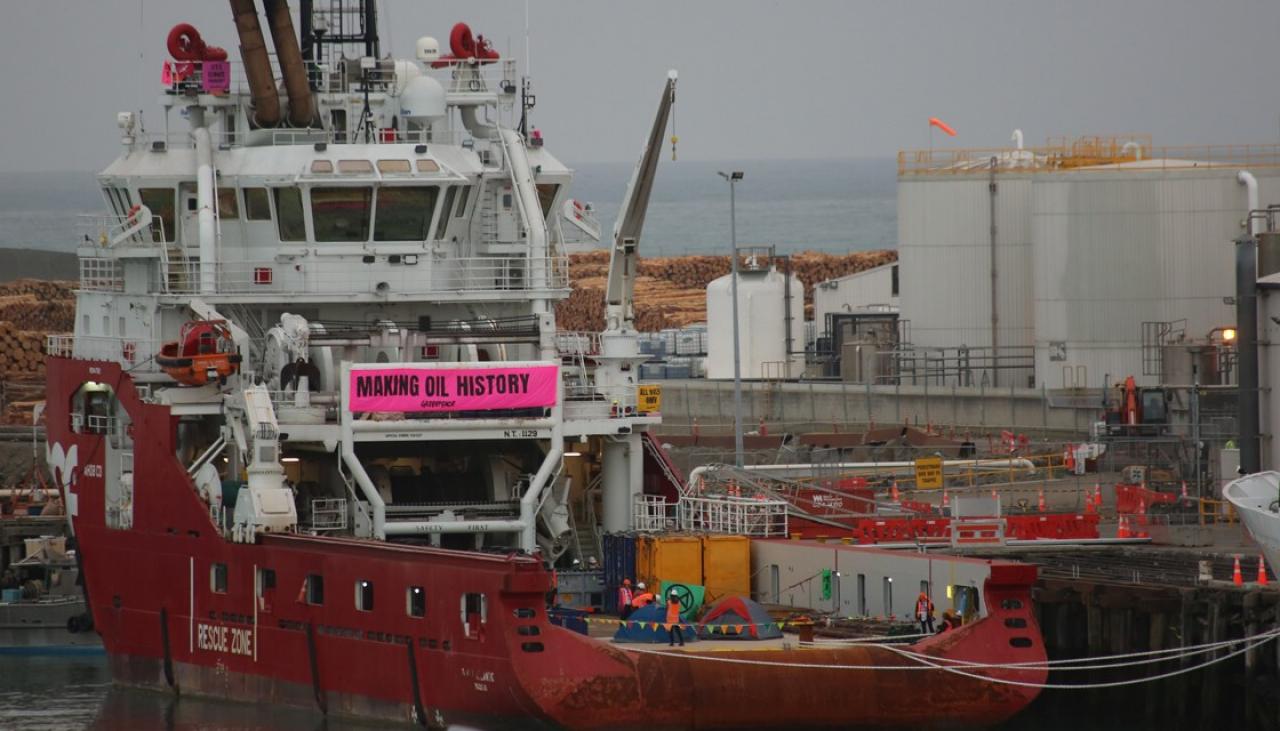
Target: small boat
x,y
42,608
1256,499
203,353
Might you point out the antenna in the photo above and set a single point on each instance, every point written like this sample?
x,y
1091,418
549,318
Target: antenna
x,y
528,67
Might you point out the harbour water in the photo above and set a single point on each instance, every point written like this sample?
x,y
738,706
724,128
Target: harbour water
x,y
821,205
73,693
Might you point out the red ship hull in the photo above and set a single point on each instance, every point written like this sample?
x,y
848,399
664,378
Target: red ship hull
x,y
166,624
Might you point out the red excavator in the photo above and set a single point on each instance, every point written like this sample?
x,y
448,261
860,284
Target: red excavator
x,y
1137,411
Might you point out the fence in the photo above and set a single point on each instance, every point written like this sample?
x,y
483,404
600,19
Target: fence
x,y
733,516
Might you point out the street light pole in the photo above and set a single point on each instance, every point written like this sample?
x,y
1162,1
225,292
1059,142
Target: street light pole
x,y
733,178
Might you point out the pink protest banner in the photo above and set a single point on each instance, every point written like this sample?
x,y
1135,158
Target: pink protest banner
x,y
216,77
453,389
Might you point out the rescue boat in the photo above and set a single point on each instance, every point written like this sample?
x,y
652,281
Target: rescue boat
x,y
203,353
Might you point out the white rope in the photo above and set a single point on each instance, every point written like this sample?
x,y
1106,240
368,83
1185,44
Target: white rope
x,y
1107,684
929,663
1102,662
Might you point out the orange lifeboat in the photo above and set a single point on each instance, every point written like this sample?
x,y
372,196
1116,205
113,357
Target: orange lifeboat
x,y
203,352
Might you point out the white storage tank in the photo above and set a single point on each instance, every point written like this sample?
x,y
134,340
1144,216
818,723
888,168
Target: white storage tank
x,y
769,311
1123,245
944,257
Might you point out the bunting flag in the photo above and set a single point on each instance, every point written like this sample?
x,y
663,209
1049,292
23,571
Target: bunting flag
x,y
722,629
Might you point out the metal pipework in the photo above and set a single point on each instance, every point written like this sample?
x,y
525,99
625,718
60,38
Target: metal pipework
x,y
1247,334
257,66
302,108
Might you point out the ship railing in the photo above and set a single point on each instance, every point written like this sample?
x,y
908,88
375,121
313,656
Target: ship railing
x,y
653,513
101,274
328,514
464,274
94,424
1100,154
759,518
588,401
102,229
573,344
136,354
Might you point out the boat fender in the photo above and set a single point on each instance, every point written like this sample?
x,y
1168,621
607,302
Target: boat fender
x,y
168,653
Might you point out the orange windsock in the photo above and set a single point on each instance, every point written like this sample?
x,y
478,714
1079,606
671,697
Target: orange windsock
x,y
935,122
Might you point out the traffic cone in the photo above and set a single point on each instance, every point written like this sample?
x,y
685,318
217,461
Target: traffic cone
x,y
1184,489
896,497
946,500
1262,571
1236,577
1097,495
1040,502
1088,504
994,495
1122,530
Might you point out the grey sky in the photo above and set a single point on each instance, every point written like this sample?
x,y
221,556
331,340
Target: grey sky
x,y
758,79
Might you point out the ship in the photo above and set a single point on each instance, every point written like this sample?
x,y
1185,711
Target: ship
x,y
1256,499
315,424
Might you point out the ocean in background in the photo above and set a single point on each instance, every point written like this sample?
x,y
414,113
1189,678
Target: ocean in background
x,y
795,205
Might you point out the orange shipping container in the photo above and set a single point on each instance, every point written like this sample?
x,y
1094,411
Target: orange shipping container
x,y
662,558
726,566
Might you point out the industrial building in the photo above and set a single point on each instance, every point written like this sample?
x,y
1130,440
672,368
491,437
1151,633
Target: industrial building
x,y
1074,264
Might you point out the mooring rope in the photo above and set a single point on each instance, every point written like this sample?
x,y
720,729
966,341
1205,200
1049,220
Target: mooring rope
x,y
966,669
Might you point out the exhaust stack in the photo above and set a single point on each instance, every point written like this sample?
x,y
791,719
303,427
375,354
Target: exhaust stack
x,y
302,110
257,66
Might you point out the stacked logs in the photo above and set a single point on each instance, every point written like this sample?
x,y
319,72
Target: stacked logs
x,y
21,352
671,291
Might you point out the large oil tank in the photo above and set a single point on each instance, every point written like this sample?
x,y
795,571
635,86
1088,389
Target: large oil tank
x,y
770,313
1124,245
945,257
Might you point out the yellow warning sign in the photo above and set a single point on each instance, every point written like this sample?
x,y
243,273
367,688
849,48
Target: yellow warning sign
x,y
929,473
650,401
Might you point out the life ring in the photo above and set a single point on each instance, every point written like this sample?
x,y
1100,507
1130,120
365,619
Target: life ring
x,y
461,42
129,350
130,218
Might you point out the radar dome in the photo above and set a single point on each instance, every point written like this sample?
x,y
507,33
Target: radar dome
x,y
427,49
423,99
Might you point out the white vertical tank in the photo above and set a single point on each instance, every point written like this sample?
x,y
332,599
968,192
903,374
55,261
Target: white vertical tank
x,y
765,306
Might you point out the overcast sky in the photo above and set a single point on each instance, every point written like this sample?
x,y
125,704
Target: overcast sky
x,y
758,79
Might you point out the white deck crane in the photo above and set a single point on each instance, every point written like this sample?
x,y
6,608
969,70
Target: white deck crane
x,y
620,357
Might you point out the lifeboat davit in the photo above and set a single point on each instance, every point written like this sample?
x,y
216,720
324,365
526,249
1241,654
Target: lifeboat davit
x,y
204,352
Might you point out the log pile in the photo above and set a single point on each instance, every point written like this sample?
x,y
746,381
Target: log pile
x,y
671,291
30,310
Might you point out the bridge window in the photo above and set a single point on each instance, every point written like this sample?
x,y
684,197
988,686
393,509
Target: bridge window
x,y
416,601
256,204
364,595
547,196
289,214
444,212
228,206
428,166
341,214
462,201
319,167
218,578
404,212
355,167
163,205
395,167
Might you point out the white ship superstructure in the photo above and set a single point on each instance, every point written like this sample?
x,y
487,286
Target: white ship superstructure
x,y
354,215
